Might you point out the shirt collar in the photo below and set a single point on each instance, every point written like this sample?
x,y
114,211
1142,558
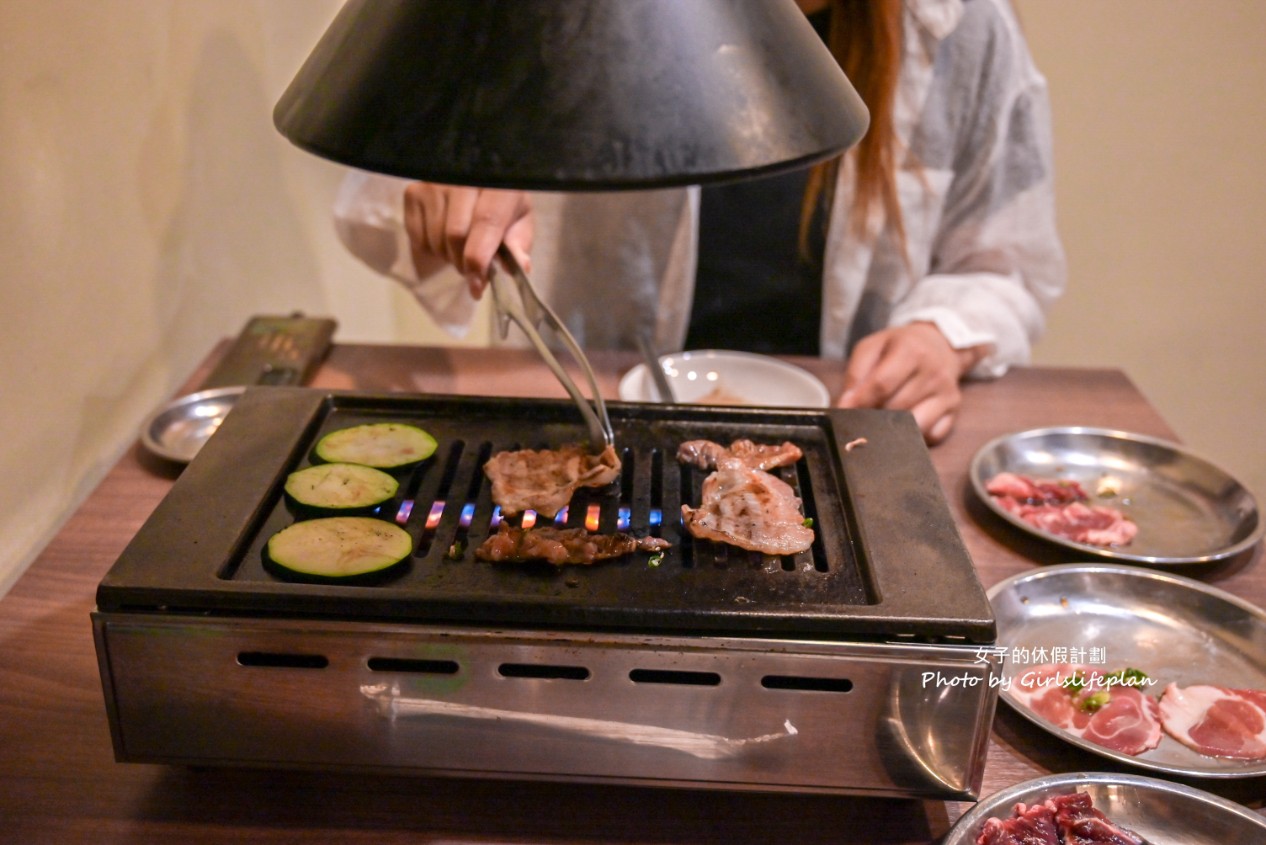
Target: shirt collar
x,y
936,17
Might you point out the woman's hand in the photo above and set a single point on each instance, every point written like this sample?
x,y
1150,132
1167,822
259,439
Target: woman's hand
x,y
909,368
464,226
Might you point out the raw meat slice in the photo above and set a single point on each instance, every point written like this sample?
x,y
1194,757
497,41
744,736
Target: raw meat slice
x,y
1216,721
1079,823
1028,825
1094,525
558,546
705,454
1042,689
544,480
749,508
1061,508
1033,491
1093,705
1070,819
1128,723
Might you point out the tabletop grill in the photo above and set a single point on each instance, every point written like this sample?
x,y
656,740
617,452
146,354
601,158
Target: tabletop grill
x,y
712,667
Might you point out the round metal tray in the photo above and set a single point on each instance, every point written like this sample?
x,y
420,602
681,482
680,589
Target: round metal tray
x,y
1158,810
1187,510
1173,629
177,430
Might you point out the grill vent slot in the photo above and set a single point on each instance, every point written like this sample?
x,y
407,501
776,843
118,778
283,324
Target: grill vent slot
x,y
431,492
672,676
544,671
279,660
806,684
419,667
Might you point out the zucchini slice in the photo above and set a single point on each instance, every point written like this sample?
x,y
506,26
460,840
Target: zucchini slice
x,y
339,548
340,487
380,445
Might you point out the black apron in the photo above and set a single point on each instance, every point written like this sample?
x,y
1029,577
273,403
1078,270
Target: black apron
x,y
755,289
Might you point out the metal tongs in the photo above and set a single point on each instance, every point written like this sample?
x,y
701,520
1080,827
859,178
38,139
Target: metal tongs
x,y
516,300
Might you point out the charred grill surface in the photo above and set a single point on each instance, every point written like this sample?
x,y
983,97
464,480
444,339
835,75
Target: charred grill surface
x,y
447,506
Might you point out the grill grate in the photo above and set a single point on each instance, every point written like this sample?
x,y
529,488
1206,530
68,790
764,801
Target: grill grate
x,y
447,507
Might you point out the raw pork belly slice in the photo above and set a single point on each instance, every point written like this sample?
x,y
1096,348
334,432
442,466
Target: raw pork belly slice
x,y
1128,722
1217,721
749,508
1060,508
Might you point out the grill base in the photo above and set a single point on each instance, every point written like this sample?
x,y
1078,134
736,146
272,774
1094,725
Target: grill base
x,y
702,712
717,669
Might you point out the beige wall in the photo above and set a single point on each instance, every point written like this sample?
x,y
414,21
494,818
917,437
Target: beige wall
x,y
1159,128
149,208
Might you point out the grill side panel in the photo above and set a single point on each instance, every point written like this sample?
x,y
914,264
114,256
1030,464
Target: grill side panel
x,y
701,712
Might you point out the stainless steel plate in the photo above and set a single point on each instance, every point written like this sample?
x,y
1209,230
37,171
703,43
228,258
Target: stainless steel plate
x,y
1172,628
1158,810
1187,510
177,430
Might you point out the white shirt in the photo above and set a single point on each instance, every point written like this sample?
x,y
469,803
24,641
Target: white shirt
x,y
975,185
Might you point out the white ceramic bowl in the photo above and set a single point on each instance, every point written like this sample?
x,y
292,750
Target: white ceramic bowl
x,y
719,377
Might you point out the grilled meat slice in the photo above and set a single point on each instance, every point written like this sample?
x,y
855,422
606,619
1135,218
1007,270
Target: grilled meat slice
x,y
706,454
749,508
544,480
558,546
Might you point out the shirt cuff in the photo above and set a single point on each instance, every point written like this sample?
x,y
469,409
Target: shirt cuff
x,y
960,336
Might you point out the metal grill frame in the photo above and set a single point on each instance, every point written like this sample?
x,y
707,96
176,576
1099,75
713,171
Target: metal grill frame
x,y
888,563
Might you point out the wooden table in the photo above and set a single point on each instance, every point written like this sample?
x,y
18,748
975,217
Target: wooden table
x,y
59,782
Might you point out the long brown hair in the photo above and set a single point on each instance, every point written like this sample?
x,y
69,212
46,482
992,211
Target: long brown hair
x,y
865,38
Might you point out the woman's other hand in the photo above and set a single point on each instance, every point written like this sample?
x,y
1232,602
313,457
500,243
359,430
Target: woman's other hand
x,y
464,226
909,368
